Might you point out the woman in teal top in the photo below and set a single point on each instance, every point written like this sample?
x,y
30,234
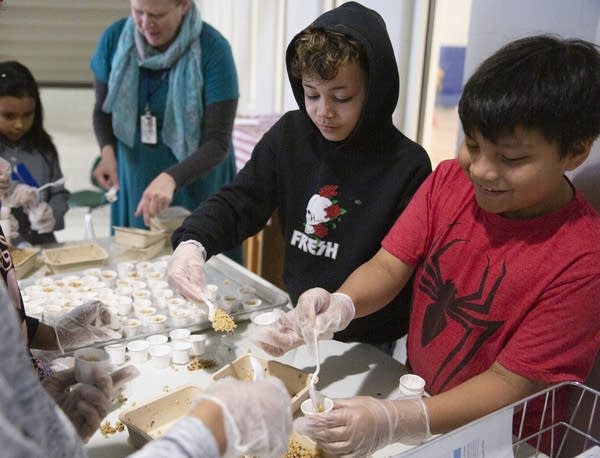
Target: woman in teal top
x,y
166,95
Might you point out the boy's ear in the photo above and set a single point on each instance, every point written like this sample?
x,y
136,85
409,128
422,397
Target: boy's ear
x,y
578,158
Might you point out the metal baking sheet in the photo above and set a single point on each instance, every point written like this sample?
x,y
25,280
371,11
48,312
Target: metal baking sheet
x,y
228,275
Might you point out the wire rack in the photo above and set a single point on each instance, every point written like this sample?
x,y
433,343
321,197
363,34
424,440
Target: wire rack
x,y
557,435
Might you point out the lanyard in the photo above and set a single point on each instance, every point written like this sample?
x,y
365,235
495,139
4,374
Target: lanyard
x,y
150,91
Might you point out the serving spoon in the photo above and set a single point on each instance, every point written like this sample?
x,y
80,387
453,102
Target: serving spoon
x,y
315,396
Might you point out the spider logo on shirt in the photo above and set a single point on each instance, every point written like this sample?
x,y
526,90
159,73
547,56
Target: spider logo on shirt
x,y
467,310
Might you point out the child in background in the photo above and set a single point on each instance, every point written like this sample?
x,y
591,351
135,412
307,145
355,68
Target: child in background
x,y
337,170
504,252
28,152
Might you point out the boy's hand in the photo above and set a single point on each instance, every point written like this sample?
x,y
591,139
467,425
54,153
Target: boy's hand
x,y
319,312
361,425
185,271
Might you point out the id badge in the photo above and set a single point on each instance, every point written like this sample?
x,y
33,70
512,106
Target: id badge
x,y
148,129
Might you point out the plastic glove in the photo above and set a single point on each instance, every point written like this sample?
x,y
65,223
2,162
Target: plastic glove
x,y
359,426
322,313
185,271
41,218
84,325
277,338
257,415
23,196
5,176
86,405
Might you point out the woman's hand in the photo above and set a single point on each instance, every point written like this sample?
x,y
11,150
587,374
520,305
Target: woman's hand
x,y
105,172
157,196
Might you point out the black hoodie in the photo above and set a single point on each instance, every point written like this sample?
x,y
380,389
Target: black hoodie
x,y
336,200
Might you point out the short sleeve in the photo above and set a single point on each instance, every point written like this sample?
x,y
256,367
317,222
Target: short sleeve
x,y
218,67
101,61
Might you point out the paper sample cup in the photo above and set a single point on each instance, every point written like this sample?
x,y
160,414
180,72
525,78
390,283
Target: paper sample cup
x,y
116,352
90,363
198,343
138,351
308,408
180,352
160,356
179,335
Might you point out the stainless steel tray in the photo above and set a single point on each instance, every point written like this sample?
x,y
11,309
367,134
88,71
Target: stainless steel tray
x,y
229,276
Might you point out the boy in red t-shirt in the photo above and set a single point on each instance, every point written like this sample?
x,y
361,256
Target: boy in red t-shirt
x,y
505,255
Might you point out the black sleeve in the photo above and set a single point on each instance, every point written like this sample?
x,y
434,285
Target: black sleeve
x,y
240,209
102,121
214,143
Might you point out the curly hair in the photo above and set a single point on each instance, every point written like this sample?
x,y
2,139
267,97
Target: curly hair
x,y
322,52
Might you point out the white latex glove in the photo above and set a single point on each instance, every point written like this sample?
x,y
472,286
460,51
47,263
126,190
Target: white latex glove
x,y
257,416
277,338
361,425
185,270
5,176
84,325
84,404
322,313
41,218
23,196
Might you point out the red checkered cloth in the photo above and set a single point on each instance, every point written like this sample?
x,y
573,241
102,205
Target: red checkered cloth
x,y
247,131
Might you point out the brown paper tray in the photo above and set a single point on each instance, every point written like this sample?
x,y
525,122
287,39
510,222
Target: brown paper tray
x,y
153,418
148,252
294,379
24,260
137,238
74,257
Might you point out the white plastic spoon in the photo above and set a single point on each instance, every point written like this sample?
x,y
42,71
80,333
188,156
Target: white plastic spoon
x,y
315,396
58,182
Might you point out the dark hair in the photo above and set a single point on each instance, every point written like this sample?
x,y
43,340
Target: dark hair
x,y
17,81
541,83
322,52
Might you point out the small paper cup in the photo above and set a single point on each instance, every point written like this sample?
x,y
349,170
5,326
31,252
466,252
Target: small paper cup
x,y
180,352
138,351
116,352
211,291
179,335
308,408
246,293
156,323
160,356
198,343
157,339
264,319
90,363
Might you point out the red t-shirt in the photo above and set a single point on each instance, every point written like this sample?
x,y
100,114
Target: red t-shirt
x,y
525,293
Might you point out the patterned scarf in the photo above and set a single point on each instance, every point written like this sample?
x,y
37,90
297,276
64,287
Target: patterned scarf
x,y
181,127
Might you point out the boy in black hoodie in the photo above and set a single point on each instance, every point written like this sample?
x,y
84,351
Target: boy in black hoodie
x,y
337,169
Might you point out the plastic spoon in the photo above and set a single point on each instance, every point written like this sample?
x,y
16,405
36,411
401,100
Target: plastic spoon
x,y
58,182
258,372
315,396
211,306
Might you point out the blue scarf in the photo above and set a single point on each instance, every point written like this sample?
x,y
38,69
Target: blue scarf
x,y
181,127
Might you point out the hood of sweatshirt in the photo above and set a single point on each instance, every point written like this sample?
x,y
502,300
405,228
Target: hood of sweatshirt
x,y
368,28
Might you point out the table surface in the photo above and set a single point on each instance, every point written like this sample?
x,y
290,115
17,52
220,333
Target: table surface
x,y
347,369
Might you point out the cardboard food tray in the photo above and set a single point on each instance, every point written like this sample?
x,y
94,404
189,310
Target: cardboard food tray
x,y
74,257
295,380
153,418
137,238
150,251
24,260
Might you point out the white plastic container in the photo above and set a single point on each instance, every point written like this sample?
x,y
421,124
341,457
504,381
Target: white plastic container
x,y
157,339
116,352
180,352
411,386
198,344
160,356
138,351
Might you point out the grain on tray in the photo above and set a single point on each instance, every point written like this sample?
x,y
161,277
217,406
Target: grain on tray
x,y
297,450
198,363
222,321
106,429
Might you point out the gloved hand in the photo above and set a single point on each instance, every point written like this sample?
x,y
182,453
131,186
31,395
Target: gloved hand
x,y
84,325
5,176
84,404
23,196
41,218
277,338
257,415
322,313
361,425
185,270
